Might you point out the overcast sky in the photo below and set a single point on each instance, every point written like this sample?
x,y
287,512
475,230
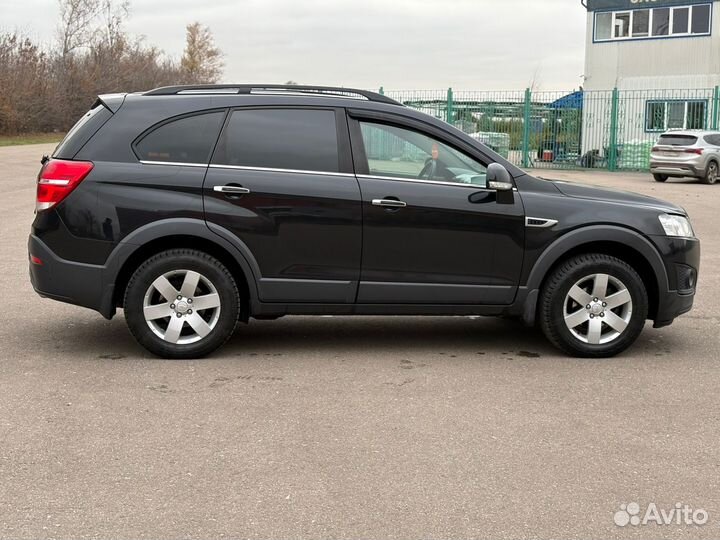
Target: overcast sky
x,y
399,44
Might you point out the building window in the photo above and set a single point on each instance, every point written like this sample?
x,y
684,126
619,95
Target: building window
x,y
675,114
656,22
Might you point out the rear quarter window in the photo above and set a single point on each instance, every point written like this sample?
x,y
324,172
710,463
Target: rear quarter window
x,y
677,140
713,139
189,139
82,132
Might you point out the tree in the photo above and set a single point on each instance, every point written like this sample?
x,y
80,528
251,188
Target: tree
x,y
202,60
76,29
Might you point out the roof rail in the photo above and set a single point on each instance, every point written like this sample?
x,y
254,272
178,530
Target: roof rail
x,y
352,93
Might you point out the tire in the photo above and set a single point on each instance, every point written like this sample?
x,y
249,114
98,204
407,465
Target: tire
x,y
621,307
711,174
172,328
660,177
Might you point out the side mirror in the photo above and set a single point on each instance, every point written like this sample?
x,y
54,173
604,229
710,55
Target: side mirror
x,y
498,178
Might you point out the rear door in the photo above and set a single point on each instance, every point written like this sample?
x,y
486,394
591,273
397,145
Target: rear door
x,y
433,232
281,181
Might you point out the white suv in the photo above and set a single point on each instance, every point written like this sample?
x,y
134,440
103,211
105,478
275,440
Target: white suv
x,y
687,153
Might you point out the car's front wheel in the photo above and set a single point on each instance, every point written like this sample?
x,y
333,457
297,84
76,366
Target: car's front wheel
x,y
182,303
593,306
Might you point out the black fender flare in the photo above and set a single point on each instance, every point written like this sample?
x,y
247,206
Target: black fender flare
x,y
177,227
587,235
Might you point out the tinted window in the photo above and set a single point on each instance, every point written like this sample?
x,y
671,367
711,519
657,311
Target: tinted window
x,y
677,140
299,139
404,153
82,131
187,140
713,139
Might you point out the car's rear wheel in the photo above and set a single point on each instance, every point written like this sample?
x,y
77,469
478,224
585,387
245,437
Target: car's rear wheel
x,y
182,303
660,177
593,306
711,173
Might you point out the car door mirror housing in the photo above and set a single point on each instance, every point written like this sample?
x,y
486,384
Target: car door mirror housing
x,y
499,179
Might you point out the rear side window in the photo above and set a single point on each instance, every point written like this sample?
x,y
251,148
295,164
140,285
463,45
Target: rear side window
x,y
186,140
713,139
82,131
298,139
677,140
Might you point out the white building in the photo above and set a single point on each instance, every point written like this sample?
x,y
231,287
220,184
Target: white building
x,y
663,56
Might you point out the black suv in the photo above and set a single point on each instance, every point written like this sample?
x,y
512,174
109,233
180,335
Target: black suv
x,y
196,207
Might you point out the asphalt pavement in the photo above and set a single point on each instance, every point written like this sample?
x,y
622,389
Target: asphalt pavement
x,y
338,427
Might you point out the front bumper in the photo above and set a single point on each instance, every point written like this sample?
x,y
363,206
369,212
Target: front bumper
x,y
74,283
675,297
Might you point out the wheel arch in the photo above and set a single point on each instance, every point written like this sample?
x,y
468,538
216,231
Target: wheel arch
x,y
182,233
624,244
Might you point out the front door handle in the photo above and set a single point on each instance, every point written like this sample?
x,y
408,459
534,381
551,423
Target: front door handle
x,y
389,203
232,190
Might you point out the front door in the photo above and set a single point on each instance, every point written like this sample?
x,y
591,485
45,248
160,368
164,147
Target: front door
x,y
433,233
280,181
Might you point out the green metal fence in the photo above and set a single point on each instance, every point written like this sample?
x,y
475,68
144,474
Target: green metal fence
x,y
614,129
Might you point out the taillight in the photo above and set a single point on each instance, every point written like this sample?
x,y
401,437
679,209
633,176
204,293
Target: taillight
x,y
697,151
57,179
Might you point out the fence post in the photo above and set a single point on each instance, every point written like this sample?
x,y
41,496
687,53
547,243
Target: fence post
x,y
612,150
382,91
450,113
716,107
526,129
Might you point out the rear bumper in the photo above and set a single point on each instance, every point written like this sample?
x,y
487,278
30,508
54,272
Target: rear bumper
x,y
677,169
74,283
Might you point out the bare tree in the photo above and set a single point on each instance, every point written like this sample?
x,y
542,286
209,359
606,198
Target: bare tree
x,y
202,60
76,28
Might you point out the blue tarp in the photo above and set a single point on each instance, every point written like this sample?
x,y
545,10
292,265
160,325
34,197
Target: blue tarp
x,y
571,101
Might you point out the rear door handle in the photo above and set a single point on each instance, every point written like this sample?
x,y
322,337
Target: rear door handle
x,y
233,190
389,203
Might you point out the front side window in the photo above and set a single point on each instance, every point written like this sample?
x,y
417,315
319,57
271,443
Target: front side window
x,y
186,140
295,139
403,153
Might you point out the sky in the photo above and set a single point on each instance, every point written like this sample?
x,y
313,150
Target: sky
x,y
397,44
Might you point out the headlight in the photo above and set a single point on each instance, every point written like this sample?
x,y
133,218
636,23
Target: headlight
x,y
676,225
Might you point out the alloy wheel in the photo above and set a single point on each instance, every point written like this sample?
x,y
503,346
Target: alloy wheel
x,y
181,307
598,309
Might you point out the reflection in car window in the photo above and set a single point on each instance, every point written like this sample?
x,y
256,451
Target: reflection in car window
x,y
397,152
